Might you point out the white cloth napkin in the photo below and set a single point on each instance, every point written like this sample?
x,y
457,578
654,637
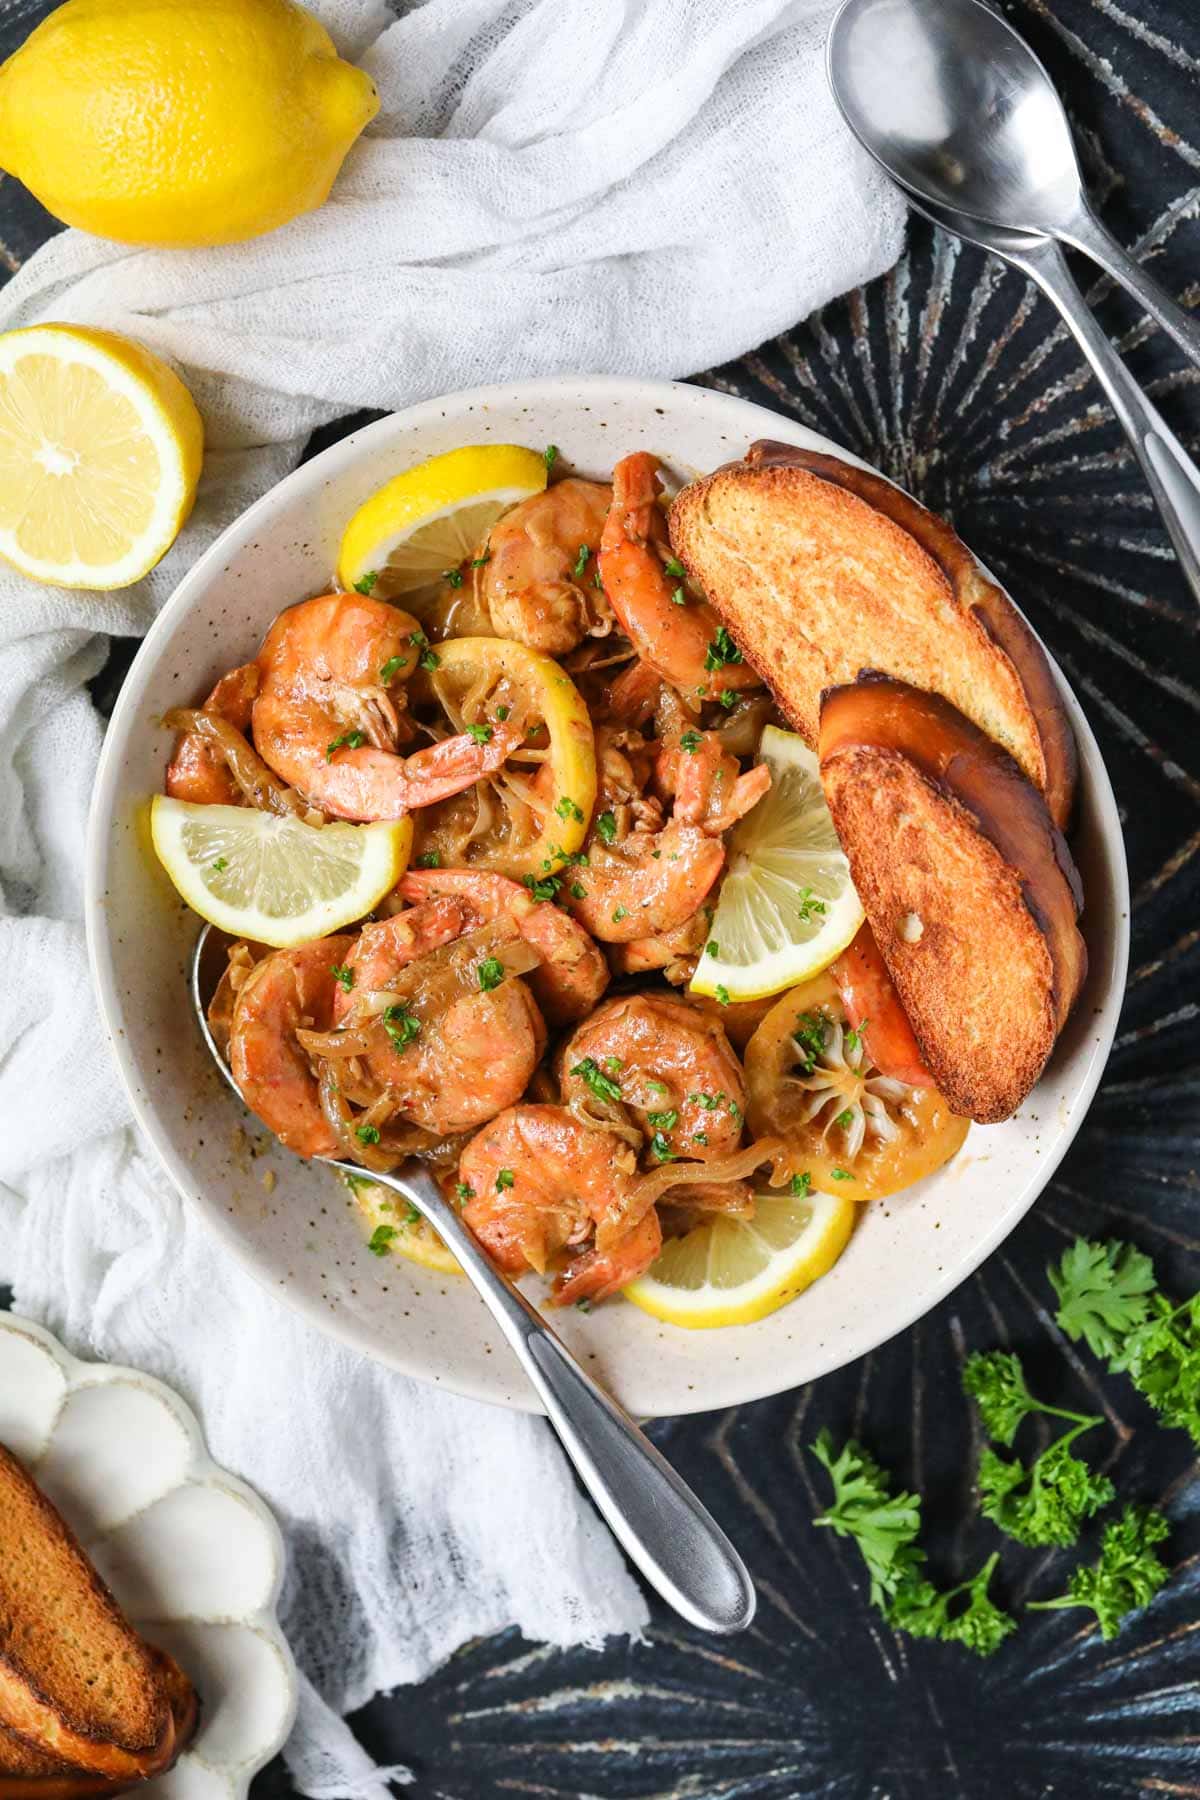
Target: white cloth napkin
x,y
652,186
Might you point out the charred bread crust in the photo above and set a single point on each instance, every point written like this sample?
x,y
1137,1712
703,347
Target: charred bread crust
x,y
940,824
973,589
28,1772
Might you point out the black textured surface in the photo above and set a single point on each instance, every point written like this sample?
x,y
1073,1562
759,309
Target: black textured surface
x,y
956,379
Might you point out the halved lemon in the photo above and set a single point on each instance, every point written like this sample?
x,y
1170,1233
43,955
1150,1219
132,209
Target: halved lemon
x,y
398,1229
276,880
428,520
787,905
733,1271
100,451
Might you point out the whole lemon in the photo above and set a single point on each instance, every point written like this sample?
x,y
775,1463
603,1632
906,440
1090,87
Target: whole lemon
x,y
182,122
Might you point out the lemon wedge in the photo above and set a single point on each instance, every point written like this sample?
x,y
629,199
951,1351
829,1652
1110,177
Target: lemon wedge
x,y
397,1229
787,905
430,519
276,880
100,449
732,1271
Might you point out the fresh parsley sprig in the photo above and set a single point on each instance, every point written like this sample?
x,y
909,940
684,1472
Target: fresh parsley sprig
x,y
1108,1295
1046,1501
885,1526
1127,1574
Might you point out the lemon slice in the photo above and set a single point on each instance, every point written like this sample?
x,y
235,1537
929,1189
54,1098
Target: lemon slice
x,y
430,519
398,1229
787,905
276,880
733,1271
100,449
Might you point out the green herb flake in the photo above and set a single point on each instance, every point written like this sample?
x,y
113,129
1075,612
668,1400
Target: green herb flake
x,y
550,455
343,974
504,1179
566,808
502,713
367,1134
722,995
220,865
491,973
482,734
809,907
606,827
429,859
691,742
841,1174
679,597
477,562
401,1026
600,1084
800,1186
463,1191
349,740
578,891
390,669
380,1239
662,1148
545,888
845,1119
619,913
366,582
581,562
663,1121
722,650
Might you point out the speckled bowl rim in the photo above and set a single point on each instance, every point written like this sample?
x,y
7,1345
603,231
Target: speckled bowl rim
x,y
751,421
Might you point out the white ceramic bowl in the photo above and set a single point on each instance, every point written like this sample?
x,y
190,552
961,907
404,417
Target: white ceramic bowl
x,y
303,1238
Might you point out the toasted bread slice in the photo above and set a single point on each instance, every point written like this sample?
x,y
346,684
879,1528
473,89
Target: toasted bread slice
x,y
28,1773
967,883
821,569
76,1681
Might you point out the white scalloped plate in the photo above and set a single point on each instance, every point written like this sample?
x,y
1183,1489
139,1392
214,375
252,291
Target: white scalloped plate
x,y
192,1555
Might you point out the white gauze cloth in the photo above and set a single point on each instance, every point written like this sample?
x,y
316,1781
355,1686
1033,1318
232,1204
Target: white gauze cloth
x,y
551,186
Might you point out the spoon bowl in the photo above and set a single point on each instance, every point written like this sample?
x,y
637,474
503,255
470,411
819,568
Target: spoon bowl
x,y
957,108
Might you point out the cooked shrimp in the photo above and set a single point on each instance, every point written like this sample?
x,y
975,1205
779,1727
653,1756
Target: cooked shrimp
x,y
458,1058
538,581
685,644
541,1183
325,718
573,973
196,772
674,952
288,991
649,881
674,1070
874,1010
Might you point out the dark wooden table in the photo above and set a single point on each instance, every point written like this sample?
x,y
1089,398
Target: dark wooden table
x,y
958,380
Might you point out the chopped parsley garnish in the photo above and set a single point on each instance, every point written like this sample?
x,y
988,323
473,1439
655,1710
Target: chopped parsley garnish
x,y
584,1305
722,995
502,713
453,576
709,1102
425,655
491,973
613,1065
221,863
679,597
619,913
712,948
504,1179
727,698
567,809
429,859
841,1174
722,650
656,1087
601,1085
663,1121
367,1134
550,455
845,1119
366,582
606,827
662,1148
401,1026
481,733
691,742
675,568
463,1191
343,974
578,891
581,562
801,1186
545,888
349,740
380,1238
391,668
700,1137
477,562
810,1036
810,906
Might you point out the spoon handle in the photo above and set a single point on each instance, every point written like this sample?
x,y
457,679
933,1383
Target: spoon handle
x,y
1089,235
1173,477
655,1517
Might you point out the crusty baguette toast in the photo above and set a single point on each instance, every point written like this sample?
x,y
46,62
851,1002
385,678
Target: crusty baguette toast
x,y
967,883
821,569
76,1681
28,1773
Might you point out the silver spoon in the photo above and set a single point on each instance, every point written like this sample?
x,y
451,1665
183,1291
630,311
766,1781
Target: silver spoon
x,y
867,100
958,109
651,1511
